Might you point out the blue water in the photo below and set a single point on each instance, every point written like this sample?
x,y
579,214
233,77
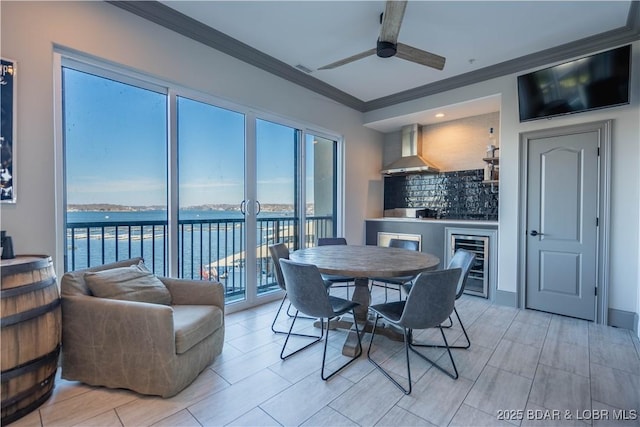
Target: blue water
x,y
152,215
212,250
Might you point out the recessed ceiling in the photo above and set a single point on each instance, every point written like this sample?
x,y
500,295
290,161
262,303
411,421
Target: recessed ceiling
x,y
480,40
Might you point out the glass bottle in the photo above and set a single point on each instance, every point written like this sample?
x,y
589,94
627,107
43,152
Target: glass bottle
x,y
488,169
491,148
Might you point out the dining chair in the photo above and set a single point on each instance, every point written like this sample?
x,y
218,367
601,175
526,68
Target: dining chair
x,y
463,260
335,278
280,251
429,303
397,282
325,241
308,295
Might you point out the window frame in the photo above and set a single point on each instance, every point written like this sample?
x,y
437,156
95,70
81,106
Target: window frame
x,y
85,63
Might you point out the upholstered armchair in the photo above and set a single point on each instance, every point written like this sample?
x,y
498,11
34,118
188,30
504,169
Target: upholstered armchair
x,y
123,327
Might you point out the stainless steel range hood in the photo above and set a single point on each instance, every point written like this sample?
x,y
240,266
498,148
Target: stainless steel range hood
x,y
411,160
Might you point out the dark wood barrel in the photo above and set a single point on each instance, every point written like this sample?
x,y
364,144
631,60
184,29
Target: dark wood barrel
x,y
31,328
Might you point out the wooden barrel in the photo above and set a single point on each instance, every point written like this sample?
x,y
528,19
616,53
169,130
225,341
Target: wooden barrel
x,y
31,328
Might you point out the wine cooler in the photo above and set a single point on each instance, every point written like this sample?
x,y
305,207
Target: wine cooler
x,y
478,281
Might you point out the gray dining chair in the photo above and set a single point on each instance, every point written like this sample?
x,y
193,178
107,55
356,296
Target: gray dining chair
x,y
280,251
397,283
429,303
308,295
335,280
463,260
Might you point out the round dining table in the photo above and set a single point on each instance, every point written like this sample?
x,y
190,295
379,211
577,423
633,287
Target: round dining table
x,y
364,263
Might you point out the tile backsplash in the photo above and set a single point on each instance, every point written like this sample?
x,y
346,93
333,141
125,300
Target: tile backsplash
x,y
455,195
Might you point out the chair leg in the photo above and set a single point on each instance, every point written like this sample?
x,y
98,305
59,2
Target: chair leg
x,y
299,317
381,369
464,331
317,338
449,325
380,285
455,369
346,285
324,354
446,345
275,319
386,288
289,310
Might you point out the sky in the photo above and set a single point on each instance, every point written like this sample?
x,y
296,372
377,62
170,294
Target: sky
x,y
115,148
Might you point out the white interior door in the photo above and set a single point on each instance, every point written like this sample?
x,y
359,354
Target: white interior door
x,y
562,217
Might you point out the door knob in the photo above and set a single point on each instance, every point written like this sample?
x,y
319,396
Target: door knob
x,y
534,233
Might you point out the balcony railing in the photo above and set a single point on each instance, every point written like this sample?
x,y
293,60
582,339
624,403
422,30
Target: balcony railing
x,y
208,249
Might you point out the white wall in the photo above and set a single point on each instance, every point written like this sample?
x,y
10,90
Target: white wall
x,y
624,280
29,31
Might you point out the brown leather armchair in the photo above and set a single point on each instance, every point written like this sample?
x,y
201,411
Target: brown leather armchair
x,y
146,347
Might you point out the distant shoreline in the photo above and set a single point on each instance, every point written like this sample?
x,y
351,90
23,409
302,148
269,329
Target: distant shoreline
x,y
106,207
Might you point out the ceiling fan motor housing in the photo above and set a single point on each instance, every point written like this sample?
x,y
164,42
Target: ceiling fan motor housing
x,y
386,49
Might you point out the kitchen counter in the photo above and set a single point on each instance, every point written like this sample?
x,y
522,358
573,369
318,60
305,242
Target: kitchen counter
x,y
432,233
480,223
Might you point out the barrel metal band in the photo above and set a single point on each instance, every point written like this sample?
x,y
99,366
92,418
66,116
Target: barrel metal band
x,y
28,392
20,290
29,314
32,365
29,408
36,264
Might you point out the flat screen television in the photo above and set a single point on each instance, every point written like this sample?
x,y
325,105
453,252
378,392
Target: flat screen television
x,y
593,82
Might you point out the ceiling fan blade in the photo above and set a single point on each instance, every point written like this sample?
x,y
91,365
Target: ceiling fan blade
x,y
349,59
392,20
420,56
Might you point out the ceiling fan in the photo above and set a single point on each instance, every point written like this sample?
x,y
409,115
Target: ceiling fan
x,y
388,46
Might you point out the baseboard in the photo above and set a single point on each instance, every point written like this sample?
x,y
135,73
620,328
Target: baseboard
x,y
623,319
506,298
618,318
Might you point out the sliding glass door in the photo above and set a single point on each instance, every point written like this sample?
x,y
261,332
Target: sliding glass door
x,y
115,143
238,184
195,187
277,219
211,194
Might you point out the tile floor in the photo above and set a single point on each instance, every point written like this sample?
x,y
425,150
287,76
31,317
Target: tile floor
x,y
523,368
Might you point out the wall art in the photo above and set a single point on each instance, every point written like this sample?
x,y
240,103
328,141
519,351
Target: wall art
x,y
8,131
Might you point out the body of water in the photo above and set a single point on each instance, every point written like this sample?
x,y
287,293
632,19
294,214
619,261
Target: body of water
x,y
159,215
210,244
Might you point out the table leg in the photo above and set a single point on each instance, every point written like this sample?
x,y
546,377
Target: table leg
x,y
361,295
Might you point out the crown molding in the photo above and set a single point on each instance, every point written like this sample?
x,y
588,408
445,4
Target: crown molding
x,y
169,18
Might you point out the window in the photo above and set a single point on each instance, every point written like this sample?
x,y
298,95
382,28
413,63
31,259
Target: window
x,y
115,171
321,187
240,181
211,186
